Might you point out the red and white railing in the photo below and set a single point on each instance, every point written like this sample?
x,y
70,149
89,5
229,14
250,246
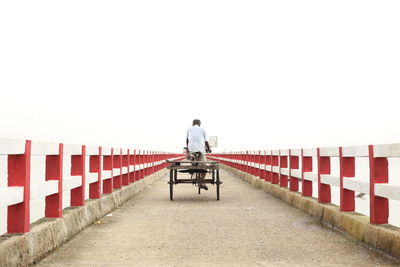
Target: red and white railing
x,y
332,175
40,179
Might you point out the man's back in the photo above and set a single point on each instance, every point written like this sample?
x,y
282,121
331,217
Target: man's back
x,y
197,138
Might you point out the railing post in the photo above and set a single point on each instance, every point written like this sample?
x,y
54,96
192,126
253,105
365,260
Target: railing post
x,y
347,169
379,206
54,171
19,174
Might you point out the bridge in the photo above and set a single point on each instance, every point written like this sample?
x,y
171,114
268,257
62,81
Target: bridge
x,y
81,205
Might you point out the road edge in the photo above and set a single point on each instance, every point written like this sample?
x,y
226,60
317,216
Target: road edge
x,y
48,234
385,238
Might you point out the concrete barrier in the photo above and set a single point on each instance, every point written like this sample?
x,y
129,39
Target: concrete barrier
x,y
383,237
48,234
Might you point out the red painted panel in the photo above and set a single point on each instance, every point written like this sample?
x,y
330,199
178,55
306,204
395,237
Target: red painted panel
x,y
263,160
275,160
125,179
140,162
307,164
76,165
381,171
246,159
135,162
107,162
131,162
284,162
125,163
347,169
78,169
107,166
117,161
379,206
275,178
94,164
152,163
324,167
95,167
54,171
145,160
19,166
117,164
294,181
294,162
269,160
306,184
283,181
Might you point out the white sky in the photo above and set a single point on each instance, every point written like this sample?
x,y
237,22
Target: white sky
x,y
259,74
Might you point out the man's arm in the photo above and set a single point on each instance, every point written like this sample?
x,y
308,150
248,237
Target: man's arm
x,y
187,139
208,149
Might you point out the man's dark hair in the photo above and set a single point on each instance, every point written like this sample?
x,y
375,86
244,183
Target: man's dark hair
x,y
196,121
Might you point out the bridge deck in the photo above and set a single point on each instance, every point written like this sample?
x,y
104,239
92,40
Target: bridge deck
x,y
246,227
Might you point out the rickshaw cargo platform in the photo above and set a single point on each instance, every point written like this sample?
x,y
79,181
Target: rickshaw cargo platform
x,y
195,169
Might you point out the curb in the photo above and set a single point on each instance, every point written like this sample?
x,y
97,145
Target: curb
x,y
48,234
385,238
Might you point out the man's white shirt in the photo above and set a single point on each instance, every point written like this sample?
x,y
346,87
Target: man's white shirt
x,y
197,136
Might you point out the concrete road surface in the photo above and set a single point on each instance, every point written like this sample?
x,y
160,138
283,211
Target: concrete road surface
x,y
247,227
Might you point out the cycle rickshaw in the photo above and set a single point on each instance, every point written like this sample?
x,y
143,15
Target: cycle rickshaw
x,y
195,168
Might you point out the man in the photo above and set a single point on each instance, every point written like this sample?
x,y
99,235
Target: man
x,y
197,141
